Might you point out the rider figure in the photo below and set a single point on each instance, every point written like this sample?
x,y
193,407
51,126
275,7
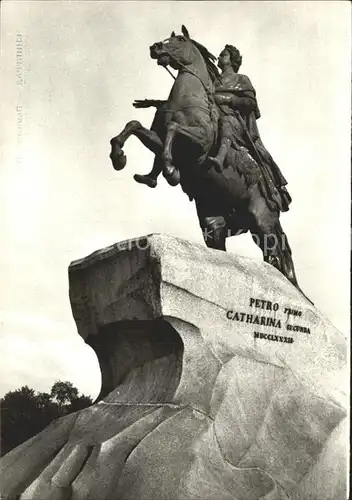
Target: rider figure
x,y
234,96
238,129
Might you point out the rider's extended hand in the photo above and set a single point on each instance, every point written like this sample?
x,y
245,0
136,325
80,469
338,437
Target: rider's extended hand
x,y
145,103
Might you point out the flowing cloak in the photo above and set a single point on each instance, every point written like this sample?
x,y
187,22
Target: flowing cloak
x,y
272,182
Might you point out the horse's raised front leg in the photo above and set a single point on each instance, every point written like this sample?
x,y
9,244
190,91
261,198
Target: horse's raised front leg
x,y
170,172
149,138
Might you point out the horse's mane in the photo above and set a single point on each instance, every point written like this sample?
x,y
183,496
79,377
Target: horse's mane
x,y
208,59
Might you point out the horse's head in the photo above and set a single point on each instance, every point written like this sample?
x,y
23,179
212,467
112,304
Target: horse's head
x,y
175,51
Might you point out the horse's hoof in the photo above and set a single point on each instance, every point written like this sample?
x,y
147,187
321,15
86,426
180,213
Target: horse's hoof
x,y
172,175
117,155
118,159
145,179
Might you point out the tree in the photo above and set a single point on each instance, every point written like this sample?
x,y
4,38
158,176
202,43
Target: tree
x,y
25,412
64,393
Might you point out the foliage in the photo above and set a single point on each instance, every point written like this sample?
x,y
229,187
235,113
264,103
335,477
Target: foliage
x,y
63,392
25,412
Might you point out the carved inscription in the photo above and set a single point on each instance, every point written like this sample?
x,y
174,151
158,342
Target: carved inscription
x,y
264,313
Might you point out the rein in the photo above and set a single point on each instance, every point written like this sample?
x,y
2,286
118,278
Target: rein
x,y
206,88
167,69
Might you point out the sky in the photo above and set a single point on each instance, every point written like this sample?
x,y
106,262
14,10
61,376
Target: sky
x,y
69,74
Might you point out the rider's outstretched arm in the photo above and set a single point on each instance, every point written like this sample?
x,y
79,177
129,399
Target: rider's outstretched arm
x,y
148,103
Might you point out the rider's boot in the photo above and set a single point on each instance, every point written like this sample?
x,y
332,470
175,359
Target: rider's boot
x,y
218,160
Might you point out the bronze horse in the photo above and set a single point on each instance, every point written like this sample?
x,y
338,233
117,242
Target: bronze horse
x,y
228,203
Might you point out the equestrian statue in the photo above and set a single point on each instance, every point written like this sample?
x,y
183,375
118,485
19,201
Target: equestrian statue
x,y
205,138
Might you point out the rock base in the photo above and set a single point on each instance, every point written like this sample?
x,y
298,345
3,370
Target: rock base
x,y
219,381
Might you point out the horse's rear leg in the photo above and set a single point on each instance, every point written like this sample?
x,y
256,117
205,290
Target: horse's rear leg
x,y
149,138
214,232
